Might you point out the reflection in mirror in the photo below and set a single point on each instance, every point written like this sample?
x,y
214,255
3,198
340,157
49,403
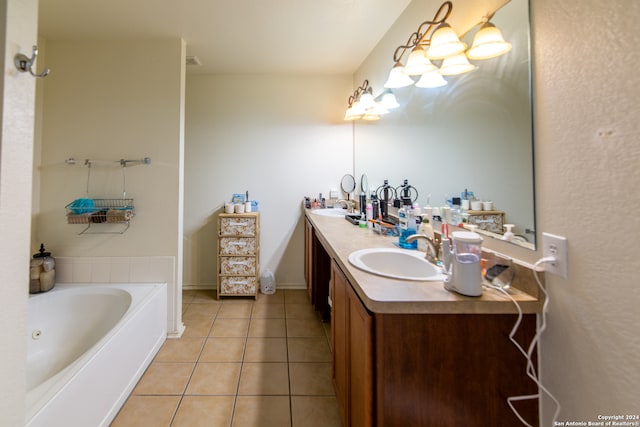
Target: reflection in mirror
x,y
474,134
364,183
348,184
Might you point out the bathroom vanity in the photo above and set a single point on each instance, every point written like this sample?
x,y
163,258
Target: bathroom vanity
x,y
409,353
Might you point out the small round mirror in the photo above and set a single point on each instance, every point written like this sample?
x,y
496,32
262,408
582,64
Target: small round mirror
x,y
364,184
348,184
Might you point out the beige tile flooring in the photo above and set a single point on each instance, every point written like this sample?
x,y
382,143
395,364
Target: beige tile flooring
x,y
239,363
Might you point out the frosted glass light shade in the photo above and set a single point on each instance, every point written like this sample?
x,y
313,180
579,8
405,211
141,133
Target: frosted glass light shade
x,y
353,113
488,43
367,101
455,65
349,114
379,109
389,100
418,63
357,109
371,116
445,43
431,80
397,78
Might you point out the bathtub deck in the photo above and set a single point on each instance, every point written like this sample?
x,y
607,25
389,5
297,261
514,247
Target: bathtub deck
x,y
241,363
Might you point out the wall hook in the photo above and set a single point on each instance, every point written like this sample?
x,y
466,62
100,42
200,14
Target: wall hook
x,y
24,64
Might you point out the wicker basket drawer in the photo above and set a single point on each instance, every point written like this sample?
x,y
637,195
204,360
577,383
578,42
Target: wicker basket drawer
x,y
488,222
242,226
238,285
237,246
238,266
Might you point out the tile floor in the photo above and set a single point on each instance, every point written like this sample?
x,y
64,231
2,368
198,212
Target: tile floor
x,y
239,363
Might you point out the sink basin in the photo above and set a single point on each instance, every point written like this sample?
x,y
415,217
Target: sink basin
x,y
330,212
396,263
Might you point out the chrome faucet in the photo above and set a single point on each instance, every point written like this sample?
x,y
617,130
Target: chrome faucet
x,y
433,252
348,204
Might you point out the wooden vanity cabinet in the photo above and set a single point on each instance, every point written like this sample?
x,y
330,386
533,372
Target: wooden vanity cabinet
x,y
352,351
433,370
317,273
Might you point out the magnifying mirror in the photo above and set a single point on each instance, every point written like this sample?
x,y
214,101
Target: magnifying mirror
x,y
348,184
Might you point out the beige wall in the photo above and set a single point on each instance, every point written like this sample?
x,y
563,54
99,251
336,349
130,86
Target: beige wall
x,y
587,150
106,101
18,20
280,138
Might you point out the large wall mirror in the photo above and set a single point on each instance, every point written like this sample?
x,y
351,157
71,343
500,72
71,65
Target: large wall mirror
x,y
475,133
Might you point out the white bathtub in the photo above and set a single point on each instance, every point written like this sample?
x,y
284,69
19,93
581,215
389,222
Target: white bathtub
x,y
88,345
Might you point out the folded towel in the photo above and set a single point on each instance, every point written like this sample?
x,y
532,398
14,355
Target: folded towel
x,y
81,206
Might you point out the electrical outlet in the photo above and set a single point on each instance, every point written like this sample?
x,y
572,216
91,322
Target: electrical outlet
x,y
555,246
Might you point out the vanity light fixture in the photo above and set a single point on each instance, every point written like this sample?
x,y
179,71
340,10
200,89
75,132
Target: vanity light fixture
x,y
435,40
398,78
418,62
419,58
445,43
454,65
432,79
362,105
388,100
488,42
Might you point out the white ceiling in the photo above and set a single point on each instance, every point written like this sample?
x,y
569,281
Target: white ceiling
x,y
237,36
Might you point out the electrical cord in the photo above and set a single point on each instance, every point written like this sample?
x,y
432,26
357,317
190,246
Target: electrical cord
x,y
530,370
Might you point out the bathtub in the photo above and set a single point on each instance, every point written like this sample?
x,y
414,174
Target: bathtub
x,y
88,345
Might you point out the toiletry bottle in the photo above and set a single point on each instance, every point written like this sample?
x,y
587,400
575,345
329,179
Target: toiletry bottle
x,y
455,215
436,219
407,225
426,229
375,206
369,214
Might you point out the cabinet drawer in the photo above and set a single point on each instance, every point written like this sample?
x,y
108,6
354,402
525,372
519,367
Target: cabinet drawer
x,y
238,285
238,266
237,246
238,226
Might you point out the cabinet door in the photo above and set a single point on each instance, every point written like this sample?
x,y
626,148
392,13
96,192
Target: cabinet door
x,y
339,339
352,335
360,362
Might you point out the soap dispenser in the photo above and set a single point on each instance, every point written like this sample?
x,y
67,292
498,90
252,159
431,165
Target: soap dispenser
x,y
42,272
508,235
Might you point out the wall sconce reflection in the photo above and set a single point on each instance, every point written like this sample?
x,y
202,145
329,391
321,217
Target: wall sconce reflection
x,y
435,40
362,104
